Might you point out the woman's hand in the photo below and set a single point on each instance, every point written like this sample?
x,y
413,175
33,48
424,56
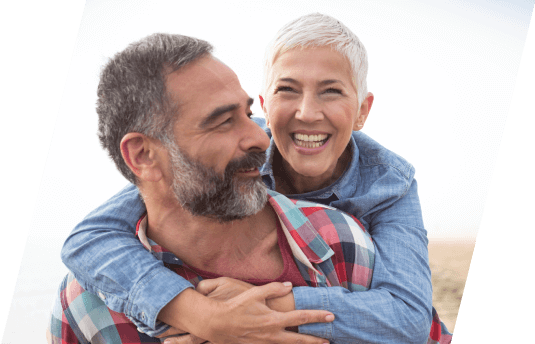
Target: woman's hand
x,y
245,318
222,289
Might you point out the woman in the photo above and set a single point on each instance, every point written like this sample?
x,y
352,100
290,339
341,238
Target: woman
x,y
314,99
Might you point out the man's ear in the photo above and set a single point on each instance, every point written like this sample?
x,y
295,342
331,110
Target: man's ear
x,y
264,109
140,153
364,111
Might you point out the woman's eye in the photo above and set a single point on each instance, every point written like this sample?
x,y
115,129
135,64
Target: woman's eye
x,y
333,90
284,89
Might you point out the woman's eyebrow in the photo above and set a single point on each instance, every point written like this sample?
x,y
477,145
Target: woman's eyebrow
x,y
290,80
330,82
321,83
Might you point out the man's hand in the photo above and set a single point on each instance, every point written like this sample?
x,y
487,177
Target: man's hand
x,y
246,318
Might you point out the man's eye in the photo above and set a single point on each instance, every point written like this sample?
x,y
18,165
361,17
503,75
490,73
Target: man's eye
x,y
228,121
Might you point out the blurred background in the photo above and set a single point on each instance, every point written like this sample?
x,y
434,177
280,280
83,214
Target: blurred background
x,y
443,75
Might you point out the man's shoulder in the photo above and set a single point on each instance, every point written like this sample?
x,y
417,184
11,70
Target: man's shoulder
x,y
333,225
373,155
81,316
335,241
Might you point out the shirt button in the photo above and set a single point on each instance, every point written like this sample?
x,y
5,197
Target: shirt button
x,y
143,315
102,296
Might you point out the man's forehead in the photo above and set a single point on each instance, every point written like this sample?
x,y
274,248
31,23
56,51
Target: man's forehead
x,y
200,73
204,86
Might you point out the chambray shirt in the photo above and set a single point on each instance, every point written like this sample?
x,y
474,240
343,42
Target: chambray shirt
x,y
330,249
378,188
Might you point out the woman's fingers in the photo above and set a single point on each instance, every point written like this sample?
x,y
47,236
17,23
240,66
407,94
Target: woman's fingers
x,y
302,317
187,339
207,286
272,290
236,287
292,338
171,332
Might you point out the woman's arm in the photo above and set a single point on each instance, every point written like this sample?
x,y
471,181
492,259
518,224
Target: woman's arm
x,y
397,308
108,260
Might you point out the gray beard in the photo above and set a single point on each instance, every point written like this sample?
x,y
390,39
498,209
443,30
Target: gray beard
x,y
203,192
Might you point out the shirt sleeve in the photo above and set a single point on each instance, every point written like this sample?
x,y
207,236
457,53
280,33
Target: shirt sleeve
x,y
59,330
397,307
109,261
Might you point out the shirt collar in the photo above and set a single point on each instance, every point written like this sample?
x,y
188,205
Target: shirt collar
x,y
141,232
267,169
306,243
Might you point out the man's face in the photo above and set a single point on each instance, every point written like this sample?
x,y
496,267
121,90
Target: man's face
x,y
215,170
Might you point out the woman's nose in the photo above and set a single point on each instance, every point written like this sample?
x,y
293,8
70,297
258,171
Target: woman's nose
x,y
309,110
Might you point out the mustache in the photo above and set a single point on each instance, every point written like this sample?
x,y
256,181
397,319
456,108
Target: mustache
x,y
250,160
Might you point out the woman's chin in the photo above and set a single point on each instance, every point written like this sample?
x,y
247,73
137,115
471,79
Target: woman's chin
x,y
311,172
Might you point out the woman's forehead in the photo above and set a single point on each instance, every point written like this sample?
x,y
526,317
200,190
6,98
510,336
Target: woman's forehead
x,y
321,63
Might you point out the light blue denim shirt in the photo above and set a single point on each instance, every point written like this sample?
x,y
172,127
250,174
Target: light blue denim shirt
x,y
378,188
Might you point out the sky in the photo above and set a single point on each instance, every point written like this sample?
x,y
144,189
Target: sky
x,y
444,74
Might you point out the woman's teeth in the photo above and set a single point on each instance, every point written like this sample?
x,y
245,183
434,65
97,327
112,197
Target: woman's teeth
x,y
310,141
248,170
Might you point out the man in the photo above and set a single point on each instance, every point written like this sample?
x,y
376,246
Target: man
x,y
190,147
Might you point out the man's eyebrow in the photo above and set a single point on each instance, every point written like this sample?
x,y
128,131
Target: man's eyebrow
x,y
220,111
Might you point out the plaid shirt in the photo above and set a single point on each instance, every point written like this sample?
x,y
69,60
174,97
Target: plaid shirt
x,y
330,248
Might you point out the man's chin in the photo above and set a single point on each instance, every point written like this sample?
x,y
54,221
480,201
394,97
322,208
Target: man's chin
x,y
247,199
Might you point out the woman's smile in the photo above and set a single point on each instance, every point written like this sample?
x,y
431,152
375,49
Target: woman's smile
x,y
310,143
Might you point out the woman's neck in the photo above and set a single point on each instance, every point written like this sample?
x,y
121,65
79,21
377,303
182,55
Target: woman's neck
x,y
289,182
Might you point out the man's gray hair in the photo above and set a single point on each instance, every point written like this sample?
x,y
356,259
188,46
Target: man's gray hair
x,y
132,96
319,30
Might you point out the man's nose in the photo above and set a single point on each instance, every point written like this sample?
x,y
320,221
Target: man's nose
x,y
255,139
309,109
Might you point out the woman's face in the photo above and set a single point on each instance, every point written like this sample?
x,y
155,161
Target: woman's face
x,y
311,107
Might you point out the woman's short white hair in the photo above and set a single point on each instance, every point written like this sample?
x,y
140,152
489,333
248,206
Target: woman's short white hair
x,y
318,30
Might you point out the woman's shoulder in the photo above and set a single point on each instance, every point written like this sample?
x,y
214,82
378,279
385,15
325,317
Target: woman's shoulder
x,y
261,121
372,154
125,207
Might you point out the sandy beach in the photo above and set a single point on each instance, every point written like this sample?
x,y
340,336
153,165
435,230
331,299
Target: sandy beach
x,y
449,262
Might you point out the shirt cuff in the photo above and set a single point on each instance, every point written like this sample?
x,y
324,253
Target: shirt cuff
x,y
317,299
158,330
152,294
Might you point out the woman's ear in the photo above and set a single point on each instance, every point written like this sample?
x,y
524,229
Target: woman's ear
x,y
142,157
264,110
364,111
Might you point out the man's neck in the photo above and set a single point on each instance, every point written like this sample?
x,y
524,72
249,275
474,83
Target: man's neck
x,y
239,249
